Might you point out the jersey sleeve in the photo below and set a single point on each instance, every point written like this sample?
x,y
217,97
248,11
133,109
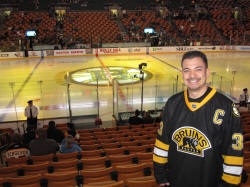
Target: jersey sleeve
x,y
232,152
160,155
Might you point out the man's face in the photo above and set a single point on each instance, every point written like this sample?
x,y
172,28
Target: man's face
x,y
30,104
195,74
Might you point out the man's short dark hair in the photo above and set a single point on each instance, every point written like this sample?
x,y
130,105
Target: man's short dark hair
x,y
137,112
52,123
194,54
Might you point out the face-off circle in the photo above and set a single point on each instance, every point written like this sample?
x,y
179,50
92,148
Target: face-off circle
x,y
123,75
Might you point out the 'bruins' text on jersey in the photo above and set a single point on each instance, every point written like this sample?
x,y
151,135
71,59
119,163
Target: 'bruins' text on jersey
x,y
199,142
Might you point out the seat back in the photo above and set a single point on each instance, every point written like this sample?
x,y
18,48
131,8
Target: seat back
x,y
62,179
97,175
148,181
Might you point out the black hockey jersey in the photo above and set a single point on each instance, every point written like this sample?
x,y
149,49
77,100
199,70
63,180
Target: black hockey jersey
x,y
199,144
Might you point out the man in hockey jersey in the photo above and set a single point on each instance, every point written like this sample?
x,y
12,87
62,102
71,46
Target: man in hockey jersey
x,y
199,142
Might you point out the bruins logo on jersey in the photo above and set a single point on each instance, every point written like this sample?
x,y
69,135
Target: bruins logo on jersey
x,y
191,141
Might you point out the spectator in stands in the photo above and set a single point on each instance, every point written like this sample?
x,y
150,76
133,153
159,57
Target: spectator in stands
x,y
31,112
17,149
42,145
69,145
72,131
147,119
244,98
135,120
54,133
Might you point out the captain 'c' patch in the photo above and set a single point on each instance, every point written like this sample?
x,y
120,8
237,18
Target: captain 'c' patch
x,y
191,141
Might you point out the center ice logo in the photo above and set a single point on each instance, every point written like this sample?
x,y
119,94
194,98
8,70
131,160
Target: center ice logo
x,y
123,75
191,141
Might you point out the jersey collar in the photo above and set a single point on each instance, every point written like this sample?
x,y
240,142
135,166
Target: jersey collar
x,y
193,106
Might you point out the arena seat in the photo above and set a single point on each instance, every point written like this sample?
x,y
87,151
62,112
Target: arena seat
x,y
123,159
92,163
106,184
16,161
88,142
145,157
98,175
39,168
116,151
10,171
132,171
90,147
110,140
148,181
67,165
62,179
111,145
42,158
93,153
135,149
25,181
66,156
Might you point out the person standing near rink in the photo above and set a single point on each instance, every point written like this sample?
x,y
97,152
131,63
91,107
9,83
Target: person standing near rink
x,y
199,142
31,112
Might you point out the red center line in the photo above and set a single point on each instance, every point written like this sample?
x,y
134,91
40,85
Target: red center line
x,y
124,99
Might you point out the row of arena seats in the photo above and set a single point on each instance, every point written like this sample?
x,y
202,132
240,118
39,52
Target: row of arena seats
x,y
77,24
84,159
111,176
245,121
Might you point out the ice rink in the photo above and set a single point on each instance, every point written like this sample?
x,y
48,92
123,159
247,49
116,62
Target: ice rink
x,y
45,82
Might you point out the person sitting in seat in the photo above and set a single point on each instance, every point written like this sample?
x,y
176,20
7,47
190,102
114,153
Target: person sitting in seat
x,y
69,145
54,133
42,145
17,149
147,119
135,120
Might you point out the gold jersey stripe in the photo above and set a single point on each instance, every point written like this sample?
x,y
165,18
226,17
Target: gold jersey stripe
x,y
161,145
160,160
198,105
231,179
233,160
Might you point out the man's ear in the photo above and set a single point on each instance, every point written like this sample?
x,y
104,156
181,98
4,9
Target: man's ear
x,y
208,72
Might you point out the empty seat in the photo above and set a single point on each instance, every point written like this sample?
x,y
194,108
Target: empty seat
x,y
106,184
16,161
123,159
42,158
11,171
67,165
98,175
67,156
145,157
25,181
91,154
132,171
99,162
117,151
148,181
62,179
39,168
